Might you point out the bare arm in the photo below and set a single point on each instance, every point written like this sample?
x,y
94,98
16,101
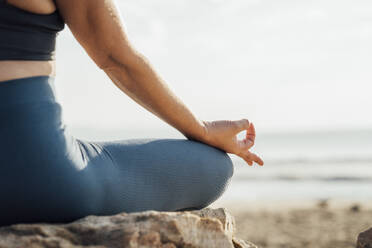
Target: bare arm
x,y
97,25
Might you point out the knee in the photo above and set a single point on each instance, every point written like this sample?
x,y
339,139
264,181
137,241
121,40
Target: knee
x,y
217,171
222,166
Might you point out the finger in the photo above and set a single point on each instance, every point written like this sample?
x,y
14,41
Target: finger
x,y
247,159
253,157
249,162
257,159
241,125
245,144
251,132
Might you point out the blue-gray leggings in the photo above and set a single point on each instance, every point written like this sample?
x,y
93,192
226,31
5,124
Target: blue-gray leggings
x,y
47,175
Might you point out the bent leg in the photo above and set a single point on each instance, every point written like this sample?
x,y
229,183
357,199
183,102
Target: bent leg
x,y
163,175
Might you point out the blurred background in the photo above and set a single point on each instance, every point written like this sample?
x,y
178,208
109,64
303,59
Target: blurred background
x,y
299,70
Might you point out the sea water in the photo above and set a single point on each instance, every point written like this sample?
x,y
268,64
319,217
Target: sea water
x,y
334,165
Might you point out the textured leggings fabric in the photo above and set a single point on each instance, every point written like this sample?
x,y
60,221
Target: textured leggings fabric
x,y
48,175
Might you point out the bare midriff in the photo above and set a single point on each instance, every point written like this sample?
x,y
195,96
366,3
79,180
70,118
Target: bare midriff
x,y
16,69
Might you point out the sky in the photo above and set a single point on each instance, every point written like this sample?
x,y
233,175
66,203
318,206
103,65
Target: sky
x,y
284,65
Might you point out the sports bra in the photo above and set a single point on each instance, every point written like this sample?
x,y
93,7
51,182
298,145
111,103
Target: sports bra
x,y
28,36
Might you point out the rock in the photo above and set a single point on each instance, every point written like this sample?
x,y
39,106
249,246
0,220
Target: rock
x,y
239,243
148,229
365,239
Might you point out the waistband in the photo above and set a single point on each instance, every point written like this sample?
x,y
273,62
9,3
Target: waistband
x,y
27,90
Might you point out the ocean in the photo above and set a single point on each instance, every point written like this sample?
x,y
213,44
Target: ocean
x,y
321,165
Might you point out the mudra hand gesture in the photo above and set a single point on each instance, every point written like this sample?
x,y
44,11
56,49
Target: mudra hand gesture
x,y
223,134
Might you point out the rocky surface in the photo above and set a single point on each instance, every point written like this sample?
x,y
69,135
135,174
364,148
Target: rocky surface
x,y
365,239
149,229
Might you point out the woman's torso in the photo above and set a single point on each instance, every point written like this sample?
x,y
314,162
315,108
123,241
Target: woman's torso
x,y
14,69
11,69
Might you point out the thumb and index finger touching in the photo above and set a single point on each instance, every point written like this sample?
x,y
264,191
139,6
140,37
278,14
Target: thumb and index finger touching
x,y
249,139
245,124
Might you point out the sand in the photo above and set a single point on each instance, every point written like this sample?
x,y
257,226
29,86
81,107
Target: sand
x,y
323,224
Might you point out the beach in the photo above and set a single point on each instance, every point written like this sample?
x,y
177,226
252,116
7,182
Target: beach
x,y
298,70
322,224
304,199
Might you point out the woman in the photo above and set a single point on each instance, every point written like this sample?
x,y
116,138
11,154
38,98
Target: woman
x,y
47,175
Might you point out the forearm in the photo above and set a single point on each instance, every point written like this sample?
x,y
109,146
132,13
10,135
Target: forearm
x,y
140,82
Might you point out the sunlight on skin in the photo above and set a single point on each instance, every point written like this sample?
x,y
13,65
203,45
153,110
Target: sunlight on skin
x,y
223,134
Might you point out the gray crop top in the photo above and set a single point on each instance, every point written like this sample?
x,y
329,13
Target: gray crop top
x,y
28,36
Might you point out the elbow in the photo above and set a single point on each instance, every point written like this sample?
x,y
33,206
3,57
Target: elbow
x,y
130,61
109,62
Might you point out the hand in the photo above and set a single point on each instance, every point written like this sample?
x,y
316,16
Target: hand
x,y
222,134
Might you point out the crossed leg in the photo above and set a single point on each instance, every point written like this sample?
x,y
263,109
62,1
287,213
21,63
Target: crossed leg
x,y
163,175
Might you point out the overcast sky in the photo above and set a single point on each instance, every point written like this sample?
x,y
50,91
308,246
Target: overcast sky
x,y
285,65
